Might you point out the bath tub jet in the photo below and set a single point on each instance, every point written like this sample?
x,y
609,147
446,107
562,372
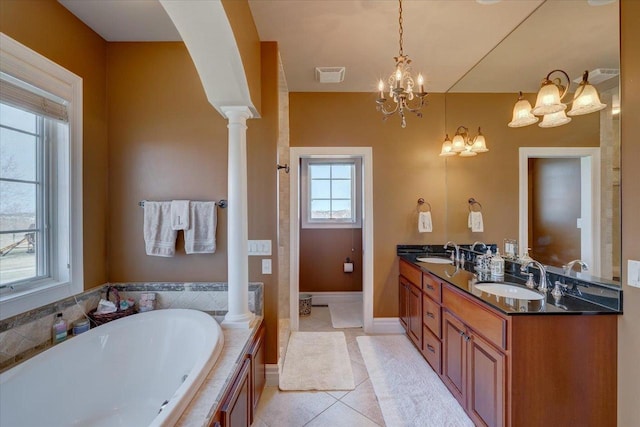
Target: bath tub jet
x,y
141,370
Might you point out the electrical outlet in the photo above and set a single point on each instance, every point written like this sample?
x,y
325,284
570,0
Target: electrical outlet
x,y
266,266
633,273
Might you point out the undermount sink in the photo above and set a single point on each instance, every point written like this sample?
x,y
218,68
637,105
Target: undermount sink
x,y
509,291
434,260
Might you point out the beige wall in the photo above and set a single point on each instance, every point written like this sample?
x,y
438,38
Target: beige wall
x,y
322,254
629,323
406,167
51,30
165,142
246,35
492,178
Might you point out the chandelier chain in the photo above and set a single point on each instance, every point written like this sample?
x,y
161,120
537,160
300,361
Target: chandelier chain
x,y
400,30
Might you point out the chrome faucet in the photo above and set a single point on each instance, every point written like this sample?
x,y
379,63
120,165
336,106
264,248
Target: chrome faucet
x,y
542,286
569,266
473,247
457,248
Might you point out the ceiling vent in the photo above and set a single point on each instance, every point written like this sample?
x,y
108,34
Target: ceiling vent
x,y
599,75
330,74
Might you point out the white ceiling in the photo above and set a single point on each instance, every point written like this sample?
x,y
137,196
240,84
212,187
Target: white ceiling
x,y
444,38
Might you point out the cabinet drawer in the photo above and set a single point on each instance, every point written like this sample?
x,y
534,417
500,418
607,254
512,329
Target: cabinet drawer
x,y
431,315
479,318
413,274
431,286
431,349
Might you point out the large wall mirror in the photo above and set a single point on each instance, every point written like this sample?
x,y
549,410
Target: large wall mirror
x,y
533,177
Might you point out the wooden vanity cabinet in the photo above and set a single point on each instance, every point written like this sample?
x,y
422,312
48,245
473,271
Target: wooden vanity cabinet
x,y
237,407
518,370
411,301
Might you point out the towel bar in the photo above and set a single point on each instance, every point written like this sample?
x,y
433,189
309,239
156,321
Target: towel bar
x,y
472,202
222,203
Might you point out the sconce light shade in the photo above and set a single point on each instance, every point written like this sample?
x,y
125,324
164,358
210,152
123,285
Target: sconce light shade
x,y
548,100
586,100
479,144
554,119
468,152
458,143
522,115
447,148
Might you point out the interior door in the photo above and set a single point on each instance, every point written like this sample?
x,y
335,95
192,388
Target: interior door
x,y
554,210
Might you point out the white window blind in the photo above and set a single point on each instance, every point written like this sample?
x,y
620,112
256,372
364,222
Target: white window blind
x,y
26,97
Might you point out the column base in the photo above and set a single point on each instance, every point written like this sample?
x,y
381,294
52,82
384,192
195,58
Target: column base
x,y
238,321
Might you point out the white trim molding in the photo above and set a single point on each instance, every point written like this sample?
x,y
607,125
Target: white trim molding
x,y
590,197
326,298
272,375
366,154
387,325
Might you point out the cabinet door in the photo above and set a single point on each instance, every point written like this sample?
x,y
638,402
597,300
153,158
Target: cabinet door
x,y
404,298
258,373
454,364
236,409
415,315
486,383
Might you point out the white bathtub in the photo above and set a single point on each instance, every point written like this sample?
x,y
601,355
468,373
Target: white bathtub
x,y
118,374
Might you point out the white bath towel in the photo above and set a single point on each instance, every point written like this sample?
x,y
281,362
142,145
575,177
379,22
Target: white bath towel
x,y
425,225
180,214
477,225
200,237
159,238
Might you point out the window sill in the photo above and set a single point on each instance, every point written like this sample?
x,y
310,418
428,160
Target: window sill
x,y
16,302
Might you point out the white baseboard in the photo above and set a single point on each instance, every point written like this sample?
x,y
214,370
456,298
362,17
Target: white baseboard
x,y
324,298
272,374
387,325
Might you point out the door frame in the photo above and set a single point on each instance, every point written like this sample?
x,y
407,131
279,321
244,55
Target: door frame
x,y
366,154
590,198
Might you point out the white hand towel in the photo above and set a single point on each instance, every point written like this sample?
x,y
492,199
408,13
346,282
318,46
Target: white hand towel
x,y
425,224
180,214
469,219
200,237
477,225
159,238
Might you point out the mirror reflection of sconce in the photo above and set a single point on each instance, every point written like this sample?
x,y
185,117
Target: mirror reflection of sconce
x,y
463,144
549,102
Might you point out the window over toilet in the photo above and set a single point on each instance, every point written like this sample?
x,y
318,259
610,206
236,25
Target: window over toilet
x,y
331,192
40,180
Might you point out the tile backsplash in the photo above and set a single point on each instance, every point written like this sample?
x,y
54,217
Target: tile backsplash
x,y
27,334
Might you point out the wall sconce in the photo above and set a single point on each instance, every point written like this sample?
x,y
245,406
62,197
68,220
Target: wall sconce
x,y
463,144
549,103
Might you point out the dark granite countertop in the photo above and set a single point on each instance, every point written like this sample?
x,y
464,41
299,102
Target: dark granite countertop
x,y
465,277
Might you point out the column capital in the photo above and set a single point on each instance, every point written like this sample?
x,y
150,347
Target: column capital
x,y
236,113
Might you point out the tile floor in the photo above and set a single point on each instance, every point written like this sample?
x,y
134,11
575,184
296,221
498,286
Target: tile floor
x,y
356,408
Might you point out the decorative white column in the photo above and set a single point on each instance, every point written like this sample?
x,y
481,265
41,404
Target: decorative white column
x,y
238,315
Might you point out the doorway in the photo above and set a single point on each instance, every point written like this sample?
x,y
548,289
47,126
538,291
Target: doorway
x,y
555,167
365,156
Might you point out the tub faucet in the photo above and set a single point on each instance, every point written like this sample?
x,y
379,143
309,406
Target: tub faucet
x,y
542,286
569,266
457,248
473,247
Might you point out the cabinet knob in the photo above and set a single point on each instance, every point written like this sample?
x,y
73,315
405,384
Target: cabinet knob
x,y
431,348
430,314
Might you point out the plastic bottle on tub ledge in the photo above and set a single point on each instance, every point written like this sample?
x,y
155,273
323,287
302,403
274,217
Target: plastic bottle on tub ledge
x,y
147,302
59,330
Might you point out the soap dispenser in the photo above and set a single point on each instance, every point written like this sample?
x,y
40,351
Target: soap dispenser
x,y
497,265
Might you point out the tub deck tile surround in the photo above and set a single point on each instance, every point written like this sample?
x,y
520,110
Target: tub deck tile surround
x,y
29,333
203,405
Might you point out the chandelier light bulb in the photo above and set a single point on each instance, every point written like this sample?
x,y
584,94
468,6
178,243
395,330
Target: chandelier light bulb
x,y
586,99
554,119
522,115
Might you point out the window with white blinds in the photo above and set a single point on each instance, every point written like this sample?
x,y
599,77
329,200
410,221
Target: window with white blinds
x,y
40,180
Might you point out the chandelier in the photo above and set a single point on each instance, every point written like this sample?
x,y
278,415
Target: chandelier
x,y
401,86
